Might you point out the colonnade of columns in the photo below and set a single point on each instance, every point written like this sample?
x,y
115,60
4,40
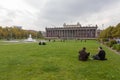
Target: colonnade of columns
x,y
71,33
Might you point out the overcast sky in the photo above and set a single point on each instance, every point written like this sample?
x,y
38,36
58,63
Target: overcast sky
x,y
38,14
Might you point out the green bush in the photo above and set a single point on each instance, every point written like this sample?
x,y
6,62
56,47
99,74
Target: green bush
x,y
111,43
107,43
98,39
116,47
105,40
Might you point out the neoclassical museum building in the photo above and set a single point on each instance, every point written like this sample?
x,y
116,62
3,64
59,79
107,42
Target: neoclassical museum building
x,y
72,32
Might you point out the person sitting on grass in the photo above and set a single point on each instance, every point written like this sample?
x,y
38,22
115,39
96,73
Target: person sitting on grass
x,y
83,55
101,55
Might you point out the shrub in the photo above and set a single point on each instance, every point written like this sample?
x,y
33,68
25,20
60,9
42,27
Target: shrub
x,y
107,43
118,47
105,40
98,39
114,46
111,43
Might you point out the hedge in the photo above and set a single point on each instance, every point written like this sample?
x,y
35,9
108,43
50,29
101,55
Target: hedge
x,y
116,47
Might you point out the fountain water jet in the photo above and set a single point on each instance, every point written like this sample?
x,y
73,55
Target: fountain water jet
x,y
30,39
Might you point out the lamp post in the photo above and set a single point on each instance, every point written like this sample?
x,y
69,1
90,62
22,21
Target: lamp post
x,y
36,34
10,33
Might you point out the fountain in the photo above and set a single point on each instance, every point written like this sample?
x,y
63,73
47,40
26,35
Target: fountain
x,y
30,39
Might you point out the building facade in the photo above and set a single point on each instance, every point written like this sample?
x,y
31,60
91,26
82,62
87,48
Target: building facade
x,y
72,32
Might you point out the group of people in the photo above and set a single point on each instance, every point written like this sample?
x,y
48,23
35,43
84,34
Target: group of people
x,y
83,55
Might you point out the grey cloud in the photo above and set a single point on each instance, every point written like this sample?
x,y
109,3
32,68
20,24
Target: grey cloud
x,y
60,11
9,17
64,10
70,7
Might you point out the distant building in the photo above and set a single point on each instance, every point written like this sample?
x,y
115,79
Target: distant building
x,y
98,32
72,32
43,33
20,27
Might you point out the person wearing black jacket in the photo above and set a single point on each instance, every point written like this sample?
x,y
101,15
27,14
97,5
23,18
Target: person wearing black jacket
x,y
83,55
101,55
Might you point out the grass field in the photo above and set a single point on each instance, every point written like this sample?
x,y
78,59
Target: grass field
x,y
55,61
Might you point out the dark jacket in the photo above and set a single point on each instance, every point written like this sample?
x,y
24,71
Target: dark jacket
x,y
83,55
101,54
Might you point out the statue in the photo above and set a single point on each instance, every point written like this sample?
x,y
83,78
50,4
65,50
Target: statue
x,y
30,36
30,39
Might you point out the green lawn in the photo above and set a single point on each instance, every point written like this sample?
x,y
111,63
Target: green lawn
x,y
55,61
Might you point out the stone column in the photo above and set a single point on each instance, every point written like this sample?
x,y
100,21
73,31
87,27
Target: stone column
x,y
75,33
71,33
86,33
66,33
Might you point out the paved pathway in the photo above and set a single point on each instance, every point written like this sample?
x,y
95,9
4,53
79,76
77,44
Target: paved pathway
x,y
112,50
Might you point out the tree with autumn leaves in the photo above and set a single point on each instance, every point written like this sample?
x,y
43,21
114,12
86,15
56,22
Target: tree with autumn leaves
x,y
111,32
109,37
18,33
